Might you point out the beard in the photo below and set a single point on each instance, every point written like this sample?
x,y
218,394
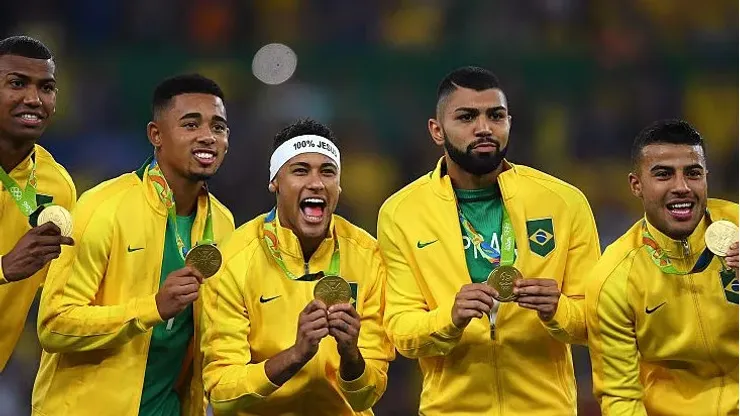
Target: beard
x,y
476,164
197,177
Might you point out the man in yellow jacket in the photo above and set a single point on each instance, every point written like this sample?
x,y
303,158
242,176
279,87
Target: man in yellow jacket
x,y
282,334
30,179
661,307
118,317
477,215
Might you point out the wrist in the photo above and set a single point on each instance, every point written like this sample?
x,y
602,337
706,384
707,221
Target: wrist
x,y
351,355
296,358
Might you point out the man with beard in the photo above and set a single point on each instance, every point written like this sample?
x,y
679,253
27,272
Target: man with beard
x,y
486,264
662,304
118,319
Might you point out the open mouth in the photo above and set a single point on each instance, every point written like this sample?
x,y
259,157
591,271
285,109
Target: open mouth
x,y
680,211
30,119
313,209
205,157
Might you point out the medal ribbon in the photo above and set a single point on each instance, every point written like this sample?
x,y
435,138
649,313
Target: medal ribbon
x,y
508,244
505,257
25,199
165,195
661,259
273,246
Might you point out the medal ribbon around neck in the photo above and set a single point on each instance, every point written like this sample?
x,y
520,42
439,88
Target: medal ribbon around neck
x,y
25,199
165,195
661,259
273,246
507,240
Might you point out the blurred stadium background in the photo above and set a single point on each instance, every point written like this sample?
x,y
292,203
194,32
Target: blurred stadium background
x,y
582,78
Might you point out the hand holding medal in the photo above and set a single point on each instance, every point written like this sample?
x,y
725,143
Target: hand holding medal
x,y
52,228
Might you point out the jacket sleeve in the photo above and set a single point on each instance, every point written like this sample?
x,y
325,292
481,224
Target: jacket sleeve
x,y
67,201
613,344
415,329
569,323
375,347
231,381
69,321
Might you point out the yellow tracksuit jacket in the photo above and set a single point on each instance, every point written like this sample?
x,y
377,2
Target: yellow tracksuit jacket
x,y
53,185
251,314
98,309
527,369
664,344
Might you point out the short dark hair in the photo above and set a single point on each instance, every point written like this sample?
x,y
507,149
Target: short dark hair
x,y
671,131
301,127
183,84
472,77
26,47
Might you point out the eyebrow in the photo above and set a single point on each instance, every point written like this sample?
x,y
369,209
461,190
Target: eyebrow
x,y
659,167
199,117
306,165
26,77
475,110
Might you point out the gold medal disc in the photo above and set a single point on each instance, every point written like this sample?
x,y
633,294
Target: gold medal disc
x,y
720,235
502,279
332,290
205,258
59,216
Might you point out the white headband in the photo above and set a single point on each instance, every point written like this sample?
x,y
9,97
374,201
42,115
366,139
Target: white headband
x,y
299,145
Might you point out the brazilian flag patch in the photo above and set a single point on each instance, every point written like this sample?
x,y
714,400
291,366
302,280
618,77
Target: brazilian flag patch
x,y
730,285
541,236
355,290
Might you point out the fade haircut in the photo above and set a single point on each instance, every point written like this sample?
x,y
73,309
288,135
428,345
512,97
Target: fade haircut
x,y
26,47
471,77
670,131
182,84
302,127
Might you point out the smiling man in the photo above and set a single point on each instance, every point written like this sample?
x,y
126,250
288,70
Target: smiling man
x,y
477,215
302,355
118,318
661,307
29,179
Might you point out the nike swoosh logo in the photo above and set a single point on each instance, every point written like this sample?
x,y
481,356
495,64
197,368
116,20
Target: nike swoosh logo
x,y
131,250
649,311
422,245
263,299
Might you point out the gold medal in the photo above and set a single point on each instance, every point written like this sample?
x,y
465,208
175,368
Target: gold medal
x,y
720,235
332,290
205,258
59,216
502,279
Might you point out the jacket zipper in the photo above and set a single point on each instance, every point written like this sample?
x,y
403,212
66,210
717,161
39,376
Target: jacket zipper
x,y
497,378
687,255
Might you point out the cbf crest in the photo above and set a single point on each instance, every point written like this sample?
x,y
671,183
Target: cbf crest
x,y
730,285
541,236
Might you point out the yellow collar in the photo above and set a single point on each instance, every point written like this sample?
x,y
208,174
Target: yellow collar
x,y
675,249
442,185
150,193
290,245
22,170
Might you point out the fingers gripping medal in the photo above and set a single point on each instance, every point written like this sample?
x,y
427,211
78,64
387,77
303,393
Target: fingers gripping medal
x,y
720,235
502,279
332,290
59,216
